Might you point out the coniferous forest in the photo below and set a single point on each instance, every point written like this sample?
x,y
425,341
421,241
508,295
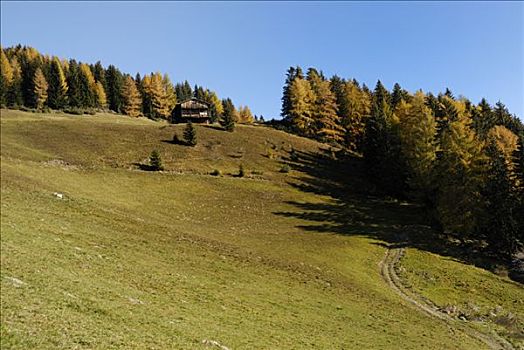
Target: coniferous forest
x,y
462,161
31,80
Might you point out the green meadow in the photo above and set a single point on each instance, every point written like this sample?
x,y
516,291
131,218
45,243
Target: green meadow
x,y
281,258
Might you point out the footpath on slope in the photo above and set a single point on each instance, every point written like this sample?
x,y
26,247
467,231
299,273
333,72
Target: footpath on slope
x,y
388,271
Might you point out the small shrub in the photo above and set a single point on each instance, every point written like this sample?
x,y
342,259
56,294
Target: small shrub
x,y
271,153
175,140
216,172
155,161
285,169
241,172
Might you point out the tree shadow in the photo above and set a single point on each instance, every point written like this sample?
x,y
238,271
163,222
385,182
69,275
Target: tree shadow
x,y
357,207
144,167
176,142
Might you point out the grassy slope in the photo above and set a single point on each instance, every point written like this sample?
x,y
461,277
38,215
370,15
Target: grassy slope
x,y
156,260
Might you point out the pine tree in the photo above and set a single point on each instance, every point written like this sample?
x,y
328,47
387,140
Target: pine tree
x,y
190,134
132,102
40,89
58,88
6,77
183,91
228,117
155,161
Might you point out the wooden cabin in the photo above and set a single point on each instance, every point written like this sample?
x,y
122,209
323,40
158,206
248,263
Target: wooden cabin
x,y
193,110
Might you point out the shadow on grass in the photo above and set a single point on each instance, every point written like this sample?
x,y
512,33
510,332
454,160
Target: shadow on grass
x,y
357,207
145,167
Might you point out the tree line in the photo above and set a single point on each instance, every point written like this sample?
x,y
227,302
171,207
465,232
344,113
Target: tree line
x,y
463,161
32,80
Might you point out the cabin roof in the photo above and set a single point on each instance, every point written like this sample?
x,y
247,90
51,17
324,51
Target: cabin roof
x,y
193,103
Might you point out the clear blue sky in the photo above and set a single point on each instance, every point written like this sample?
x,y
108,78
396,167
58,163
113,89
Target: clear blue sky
x,y
242,49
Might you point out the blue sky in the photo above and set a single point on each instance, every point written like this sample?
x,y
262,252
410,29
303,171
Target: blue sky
x,y
243,49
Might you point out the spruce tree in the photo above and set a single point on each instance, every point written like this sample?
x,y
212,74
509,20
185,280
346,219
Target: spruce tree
x,y
58,88
73,82
292,74
190,135
114,81
155,161
502,228
228,117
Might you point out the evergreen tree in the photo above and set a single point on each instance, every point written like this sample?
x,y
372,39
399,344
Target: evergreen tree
x,y
381,94
131,99
100,74
482,117
228,117
73,82
58,88
183,91
216,107
190,134
40,89
502,228
292,74
114,81
155,161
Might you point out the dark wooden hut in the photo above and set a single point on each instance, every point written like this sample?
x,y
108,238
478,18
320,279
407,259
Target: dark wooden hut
x,y
193,110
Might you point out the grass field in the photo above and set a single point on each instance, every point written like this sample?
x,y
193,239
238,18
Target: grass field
x,y
180,258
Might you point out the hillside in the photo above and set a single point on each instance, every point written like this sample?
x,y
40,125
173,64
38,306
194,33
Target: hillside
x,y
182,259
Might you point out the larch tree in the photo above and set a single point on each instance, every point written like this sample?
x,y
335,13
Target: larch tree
x,y
244,115
301,105
170,96
88,93
58,88
101,97
460,173
131,98
326,120
6,77
417,130
40,89
354,107
14,93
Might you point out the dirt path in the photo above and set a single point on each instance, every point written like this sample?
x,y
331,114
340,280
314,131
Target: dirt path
x,y
387,269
